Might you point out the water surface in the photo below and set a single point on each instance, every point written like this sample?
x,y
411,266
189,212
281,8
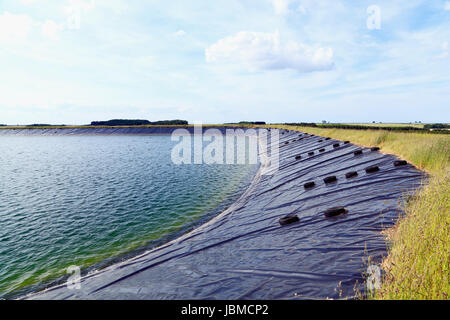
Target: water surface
x,y
91,200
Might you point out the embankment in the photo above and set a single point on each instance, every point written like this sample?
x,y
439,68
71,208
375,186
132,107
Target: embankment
x,y
99,130
418,265
245,253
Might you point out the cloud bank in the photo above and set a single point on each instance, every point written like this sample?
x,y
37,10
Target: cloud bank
x,y
15,27
258,51
281,6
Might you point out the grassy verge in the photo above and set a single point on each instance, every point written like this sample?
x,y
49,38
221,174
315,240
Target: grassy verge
x,y
414,125
417,266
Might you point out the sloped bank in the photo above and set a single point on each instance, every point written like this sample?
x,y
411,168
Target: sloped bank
x,y
99,130
245,253
418,262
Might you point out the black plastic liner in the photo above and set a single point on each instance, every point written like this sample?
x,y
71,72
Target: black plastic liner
x,y
245,253
102,130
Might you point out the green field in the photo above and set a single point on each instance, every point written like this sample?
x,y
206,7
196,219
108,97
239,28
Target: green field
x,y
415,125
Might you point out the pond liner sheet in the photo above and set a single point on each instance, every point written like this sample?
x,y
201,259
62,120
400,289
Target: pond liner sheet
x,y
244,253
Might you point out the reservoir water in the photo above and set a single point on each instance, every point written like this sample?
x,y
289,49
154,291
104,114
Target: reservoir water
x,y
90,201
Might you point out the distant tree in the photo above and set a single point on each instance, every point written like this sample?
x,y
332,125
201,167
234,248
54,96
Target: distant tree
x,y
120,122
252,122
437,126
170,122
303,124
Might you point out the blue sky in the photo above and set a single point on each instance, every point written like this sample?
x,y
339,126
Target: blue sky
x,y
74,61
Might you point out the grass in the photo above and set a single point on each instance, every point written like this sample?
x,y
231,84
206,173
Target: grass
x,y
418,262
415,125
417,266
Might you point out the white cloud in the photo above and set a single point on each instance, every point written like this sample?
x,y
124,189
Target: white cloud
x,y
80,4
180,33
51,29
301,9
264,51
77,6
281,7
445,52
447,5
15,26
116,6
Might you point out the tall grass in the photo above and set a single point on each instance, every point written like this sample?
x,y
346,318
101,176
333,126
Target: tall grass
x,y
418,262
417,266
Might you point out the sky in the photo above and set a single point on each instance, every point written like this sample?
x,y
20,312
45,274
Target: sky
x,y
76,61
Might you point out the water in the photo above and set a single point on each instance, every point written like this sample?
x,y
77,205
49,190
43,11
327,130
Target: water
x,y
93,200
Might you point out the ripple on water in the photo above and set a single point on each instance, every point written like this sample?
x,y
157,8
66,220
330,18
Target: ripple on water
x,y
86,199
